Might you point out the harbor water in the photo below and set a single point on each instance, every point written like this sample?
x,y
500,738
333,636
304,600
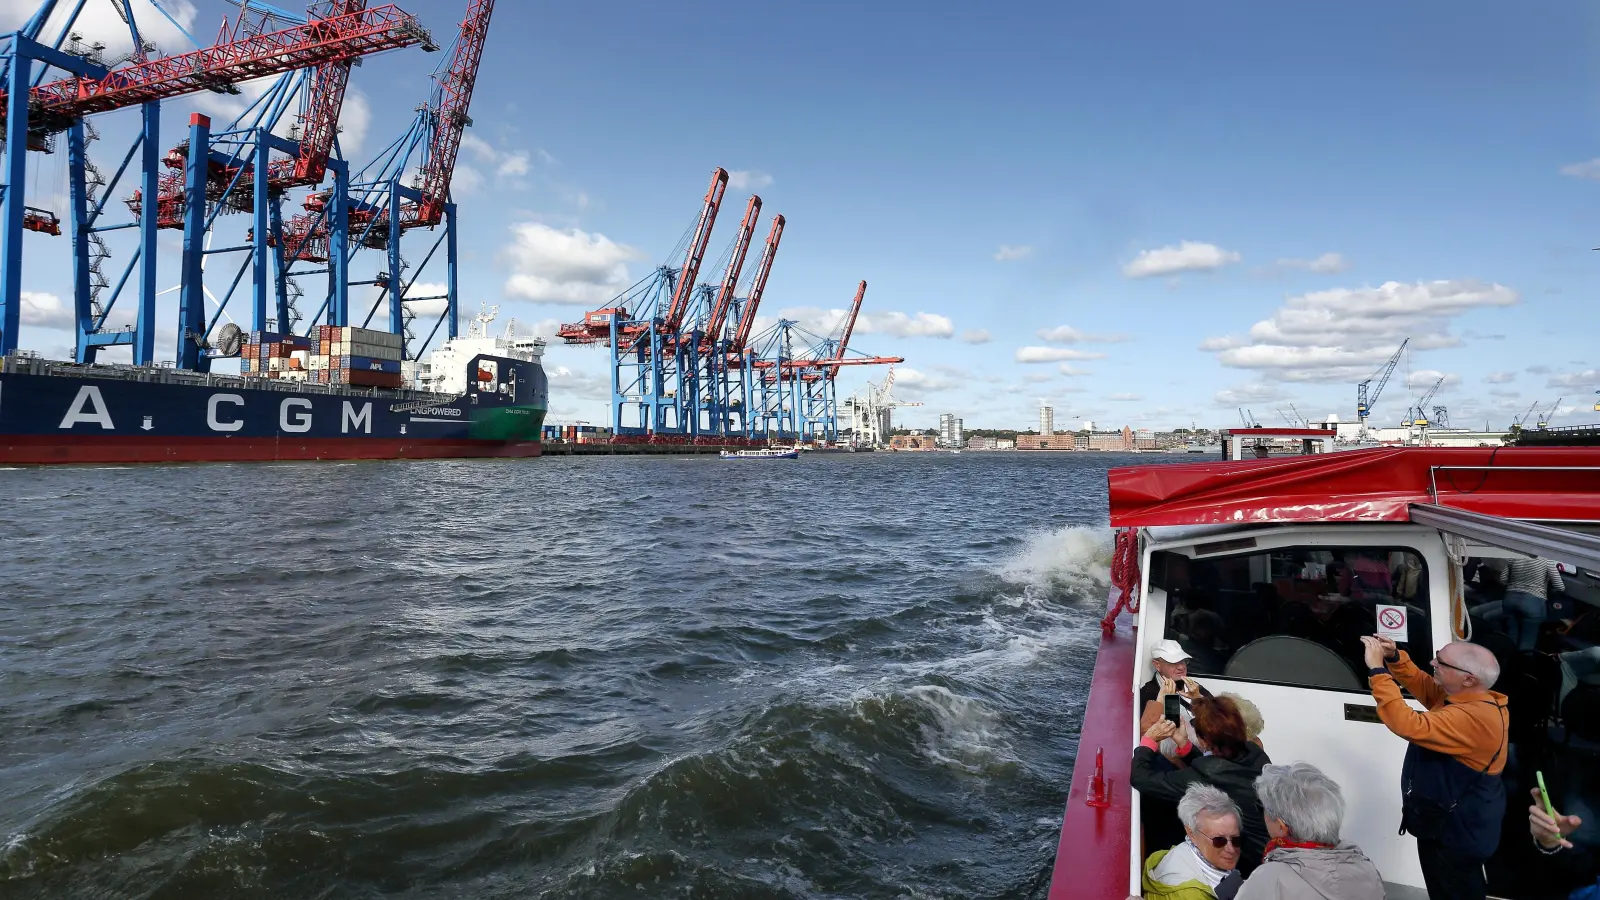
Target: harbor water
x,y
853,676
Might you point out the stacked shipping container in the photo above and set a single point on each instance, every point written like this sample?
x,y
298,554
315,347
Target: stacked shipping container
x,y
331,355
577,434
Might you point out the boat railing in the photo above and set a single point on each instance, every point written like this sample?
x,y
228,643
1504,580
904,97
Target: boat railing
x,y
1455,488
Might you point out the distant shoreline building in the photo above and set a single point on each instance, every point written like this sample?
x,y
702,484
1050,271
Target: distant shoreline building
x,y
1047,421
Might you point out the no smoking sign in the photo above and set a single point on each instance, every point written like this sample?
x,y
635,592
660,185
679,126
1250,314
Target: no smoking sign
x,y
1392,622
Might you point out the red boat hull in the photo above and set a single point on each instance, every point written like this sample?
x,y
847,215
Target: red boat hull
x,y
1093,860
81,449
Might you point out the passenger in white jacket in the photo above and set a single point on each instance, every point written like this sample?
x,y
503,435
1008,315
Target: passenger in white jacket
x,y
1306,860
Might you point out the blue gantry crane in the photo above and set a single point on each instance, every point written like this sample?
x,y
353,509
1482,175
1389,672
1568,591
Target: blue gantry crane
x,y
310,56
686,364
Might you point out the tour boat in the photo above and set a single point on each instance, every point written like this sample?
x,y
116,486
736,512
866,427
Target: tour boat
x,y
762,453
1319,536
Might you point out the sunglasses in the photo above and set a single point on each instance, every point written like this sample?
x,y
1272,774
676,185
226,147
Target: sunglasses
x,y
1222,840
1439,662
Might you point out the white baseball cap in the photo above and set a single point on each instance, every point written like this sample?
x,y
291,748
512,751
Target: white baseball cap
x,y
1169,651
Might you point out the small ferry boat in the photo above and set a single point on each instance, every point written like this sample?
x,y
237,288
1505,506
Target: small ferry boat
x,y
1295,558
762,453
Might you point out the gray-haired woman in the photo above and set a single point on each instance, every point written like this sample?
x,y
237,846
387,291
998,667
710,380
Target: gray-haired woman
x,y
1304,810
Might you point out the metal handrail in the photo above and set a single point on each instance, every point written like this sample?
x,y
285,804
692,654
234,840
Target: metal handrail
x,y
1433,473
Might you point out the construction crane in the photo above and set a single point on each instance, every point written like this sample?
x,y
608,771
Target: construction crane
x,y
237,56
242,53
1544,417
758,287
1417,415
382,209
1364,404
849,326
1519,420
730,276
695,253
322,90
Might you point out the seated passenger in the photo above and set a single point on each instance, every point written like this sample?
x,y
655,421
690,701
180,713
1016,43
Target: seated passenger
x,y
1306,860
1206,864
1574,871
1171,663
1217,753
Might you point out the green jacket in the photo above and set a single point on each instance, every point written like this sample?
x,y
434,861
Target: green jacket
x,y
1189,890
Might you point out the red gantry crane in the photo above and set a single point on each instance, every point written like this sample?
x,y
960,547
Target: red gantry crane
x,y
730,278
236,57
747,316
319,124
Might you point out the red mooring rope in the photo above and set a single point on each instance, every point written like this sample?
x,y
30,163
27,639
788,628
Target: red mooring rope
x,y
1124,577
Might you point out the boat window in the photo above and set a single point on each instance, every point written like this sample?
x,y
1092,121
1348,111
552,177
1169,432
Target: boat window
x,y
1293,615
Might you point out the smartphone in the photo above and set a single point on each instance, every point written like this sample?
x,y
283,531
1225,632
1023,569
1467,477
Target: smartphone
x,y
1172,708
1545,796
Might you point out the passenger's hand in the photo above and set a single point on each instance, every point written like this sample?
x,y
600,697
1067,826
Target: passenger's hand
x,y
1165,686
1161,730
1372,652
1390,651
1191,689
1549,833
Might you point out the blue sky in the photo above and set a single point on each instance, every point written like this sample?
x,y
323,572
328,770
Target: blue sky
x,y
1141,215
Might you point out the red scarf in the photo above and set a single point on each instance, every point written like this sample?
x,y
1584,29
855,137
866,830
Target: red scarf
x,y
1276,843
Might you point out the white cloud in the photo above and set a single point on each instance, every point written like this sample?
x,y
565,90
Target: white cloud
x,y
1246,394
1009,252
1500,378
355,118
914,382
46,311
1037,377
1589,169
466,180
97,24
550,265
1422,379
976,336
1125,398
1226,342
1072,371
508,165
1053,354
751,180
1588,378
1343,334
895,324
1187,256
513,164
1326,264
1066,334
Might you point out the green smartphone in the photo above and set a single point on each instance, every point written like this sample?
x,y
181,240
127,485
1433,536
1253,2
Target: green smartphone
x,y
1545,796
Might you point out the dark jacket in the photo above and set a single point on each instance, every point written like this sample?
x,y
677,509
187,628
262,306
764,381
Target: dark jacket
x,y
1236,778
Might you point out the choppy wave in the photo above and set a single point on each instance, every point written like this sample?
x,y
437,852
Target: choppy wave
x,y
318,681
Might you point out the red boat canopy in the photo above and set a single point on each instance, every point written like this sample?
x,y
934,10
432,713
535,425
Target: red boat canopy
x,y
1378,485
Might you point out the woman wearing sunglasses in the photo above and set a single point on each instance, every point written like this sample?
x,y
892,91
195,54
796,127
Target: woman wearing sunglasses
x,y
1306,860
1205,865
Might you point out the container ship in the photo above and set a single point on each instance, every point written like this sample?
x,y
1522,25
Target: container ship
x,y
337,393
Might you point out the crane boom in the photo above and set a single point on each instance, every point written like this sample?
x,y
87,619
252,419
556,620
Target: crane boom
x,y
455,96
747,318
849,326
1363,403
696,252
236,57
730,278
